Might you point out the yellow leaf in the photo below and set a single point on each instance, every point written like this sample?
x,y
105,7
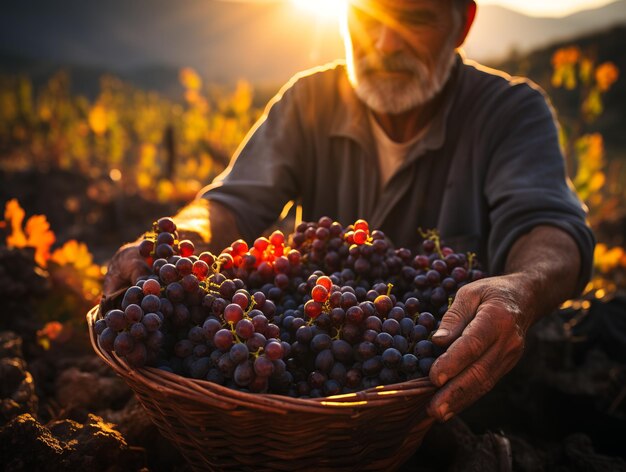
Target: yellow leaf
x,y
597,181
73,253
98,120
190,79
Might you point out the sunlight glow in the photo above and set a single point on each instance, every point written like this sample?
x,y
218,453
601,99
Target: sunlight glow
x,y
330,10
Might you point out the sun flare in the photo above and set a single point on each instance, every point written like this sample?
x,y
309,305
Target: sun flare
x,y
325,9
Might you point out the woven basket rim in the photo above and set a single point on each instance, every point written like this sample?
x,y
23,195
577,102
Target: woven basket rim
x,y
209,393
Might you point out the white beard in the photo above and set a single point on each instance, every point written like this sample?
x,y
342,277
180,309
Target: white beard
x,y
394,96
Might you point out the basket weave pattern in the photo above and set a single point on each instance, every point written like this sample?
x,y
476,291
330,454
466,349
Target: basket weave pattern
x,y
218,428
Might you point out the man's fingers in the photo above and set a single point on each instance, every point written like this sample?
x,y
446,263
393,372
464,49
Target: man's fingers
x,y
456,318
469,385
477,338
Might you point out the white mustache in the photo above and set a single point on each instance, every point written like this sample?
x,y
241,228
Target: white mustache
x,y
396,63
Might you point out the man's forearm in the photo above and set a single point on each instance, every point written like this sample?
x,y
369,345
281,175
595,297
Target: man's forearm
x,y
547,261
210,225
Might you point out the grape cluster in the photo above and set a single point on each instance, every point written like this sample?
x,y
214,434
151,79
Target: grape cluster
x,y
329,310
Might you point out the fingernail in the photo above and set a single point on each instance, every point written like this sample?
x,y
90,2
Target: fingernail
x,y
441,333
442,379
448,416
443,411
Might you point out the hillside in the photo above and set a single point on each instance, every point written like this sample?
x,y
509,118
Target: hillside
x,y
148,40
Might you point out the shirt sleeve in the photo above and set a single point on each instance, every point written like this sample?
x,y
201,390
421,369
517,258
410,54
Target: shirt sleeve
x,y
526,183
263,175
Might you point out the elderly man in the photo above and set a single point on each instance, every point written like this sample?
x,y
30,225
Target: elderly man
x,y
408,134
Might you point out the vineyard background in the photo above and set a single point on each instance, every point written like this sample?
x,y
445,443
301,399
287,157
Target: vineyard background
x,y
83,173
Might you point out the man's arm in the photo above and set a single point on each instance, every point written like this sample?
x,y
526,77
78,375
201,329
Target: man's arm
x,y
210,225
485,327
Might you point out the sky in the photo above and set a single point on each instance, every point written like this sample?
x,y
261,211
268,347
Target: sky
x,y
547,7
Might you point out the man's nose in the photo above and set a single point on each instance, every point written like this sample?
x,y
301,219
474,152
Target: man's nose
x,y
389,40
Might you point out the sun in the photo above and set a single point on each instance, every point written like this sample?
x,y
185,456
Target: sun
x,y
331,10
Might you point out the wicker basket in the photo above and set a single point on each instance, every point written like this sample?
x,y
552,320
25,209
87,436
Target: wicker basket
x,y
217,428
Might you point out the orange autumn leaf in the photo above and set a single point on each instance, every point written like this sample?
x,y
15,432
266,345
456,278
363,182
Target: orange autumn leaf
x,y
606,74
14,214
40,237
51,330
36,234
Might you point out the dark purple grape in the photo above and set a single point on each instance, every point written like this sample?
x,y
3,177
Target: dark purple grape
x,y
427,320
409,364
425,365
372,366
274,350
183,348
366,350
331,387
391,326
320,342
210,327
150,303
342,350
99,326
133,313
383,304
146,247
391,358
384,341
223,340
181,314
138,331
174,292
115,320
123,344
190,283
138,356
151,321
419,333
200,368
239,352
168,273
388,376
401,343
107,339
354,314
214,375
263,366
164,251
353,378
244,374
256,342
424,349
244,328
196,335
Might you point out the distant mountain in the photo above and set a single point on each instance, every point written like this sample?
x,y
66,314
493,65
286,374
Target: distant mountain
x,y
147,41
498,31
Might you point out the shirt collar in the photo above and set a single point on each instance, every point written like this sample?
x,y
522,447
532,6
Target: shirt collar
x,y
351,119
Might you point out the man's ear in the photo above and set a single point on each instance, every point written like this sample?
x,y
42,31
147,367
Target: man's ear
x,y
470,15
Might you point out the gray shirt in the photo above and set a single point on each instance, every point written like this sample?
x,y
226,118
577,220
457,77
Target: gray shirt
x,y
488,170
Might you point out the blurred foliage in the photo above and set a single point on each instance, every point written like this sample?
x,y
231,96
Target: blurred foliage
x,y
75,281
144,142
602,191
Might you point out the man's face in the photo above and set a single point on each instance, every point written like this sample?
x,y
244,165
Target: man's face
x,y
400,52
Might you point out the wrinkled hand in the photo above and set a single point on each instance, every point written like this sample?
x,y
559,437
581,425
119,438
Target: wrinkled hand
x,y
125,268
484,330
